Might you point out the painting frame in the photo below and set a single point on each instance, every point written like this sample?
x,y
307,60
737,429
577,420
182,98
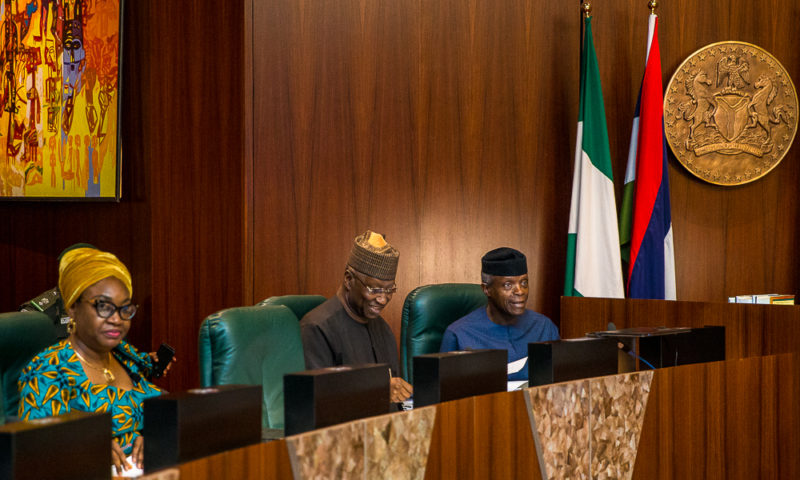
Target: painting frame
x,y
69,86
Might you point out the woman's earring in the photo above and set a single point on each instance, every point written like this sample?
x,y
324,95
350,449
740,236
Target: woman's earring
x,y
71,326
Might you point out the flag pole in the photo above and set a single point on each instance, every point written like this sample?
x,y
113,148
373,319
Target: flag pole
x,y
586,9
652,5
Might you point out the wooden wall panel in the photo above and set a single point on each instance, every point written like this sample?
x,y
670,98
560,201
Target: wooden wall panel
x,y
491,129
193,75
449,458
256,462
488,436
449,126
421,120
722,420
334,138
503,442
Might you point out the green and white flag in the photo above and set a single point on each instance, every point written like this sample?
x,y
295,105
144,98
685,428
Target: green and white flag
x,y
593,258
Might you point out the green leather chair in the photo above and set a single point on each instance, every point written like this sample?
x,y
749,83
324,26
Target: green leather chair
x,y
299,304
427,311
22,336
255,345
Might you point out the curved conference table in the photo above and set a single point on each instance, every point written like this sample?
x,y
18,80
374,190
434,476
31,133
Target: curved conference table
x,y
734,419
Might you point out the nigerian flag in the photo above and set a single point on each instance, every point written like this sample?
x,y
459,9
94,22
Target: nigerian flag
x,y
593,258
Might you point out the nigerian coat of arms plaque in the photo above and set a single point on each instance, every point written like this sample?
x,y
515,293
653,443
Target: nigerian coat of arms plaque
x,y
730,113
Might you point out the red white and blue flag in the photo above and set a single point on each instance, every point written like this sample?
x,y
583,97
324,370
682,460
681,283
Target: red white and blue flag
x,y
645,219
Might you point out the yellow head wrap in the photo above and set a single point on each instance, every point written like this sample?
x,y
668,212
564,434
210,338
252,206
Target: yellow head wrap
x,y
81,268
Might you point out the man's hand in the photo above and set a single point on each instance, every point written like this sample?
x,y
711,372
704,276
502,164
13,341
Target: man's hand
x,y
118,458
400,390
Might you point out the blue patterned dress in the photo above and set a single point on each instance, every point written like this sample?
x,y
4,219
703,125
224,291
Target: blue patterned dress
x,y
54,383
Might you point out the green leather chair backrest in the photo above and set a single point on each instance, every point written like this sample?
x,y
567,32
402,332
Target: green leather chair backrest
x,y
427,311
255,345
299,304
22,336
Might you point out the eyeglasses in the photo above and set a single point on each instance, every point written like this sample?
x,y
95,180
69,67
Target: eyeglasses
x,y
106,309
375,290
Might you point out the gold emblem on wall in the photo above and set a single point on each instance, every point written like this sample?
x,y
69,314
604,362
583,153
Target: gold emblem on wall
x,y
730,113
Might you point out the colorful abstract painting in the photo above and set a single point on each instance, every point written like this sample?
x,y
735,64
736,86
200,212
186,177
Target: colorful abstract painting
x,y
59,99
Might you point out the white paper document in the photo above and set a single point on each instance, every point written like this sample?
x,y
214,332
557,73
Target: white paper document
x,y
516,385
517,365
129,473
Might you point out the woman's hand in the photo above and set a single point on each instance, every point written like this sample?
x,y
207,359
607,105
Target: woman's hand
x,y
138,452
154,359
169,365
118,457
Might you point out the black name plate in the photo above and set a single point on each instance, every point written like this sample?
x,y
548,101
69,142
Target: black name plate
x,y
179,427
328,396
563,360
440,377
76,445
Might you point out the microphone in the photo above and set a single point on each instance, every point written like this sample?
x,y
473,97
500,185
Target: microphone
x,y
630,352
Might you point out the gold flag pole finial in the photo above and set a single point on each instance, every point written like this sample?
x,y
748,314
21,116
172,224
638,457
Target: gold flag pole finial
x,y
652,5
587,9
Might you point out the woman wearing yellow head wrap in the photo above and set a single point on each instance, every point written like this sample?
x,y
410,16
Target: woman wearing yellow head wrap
x,y
94,369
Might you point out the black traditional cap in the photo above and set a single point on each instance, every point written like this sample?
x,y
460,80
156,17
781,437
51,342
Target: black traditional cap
x,y
504,262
